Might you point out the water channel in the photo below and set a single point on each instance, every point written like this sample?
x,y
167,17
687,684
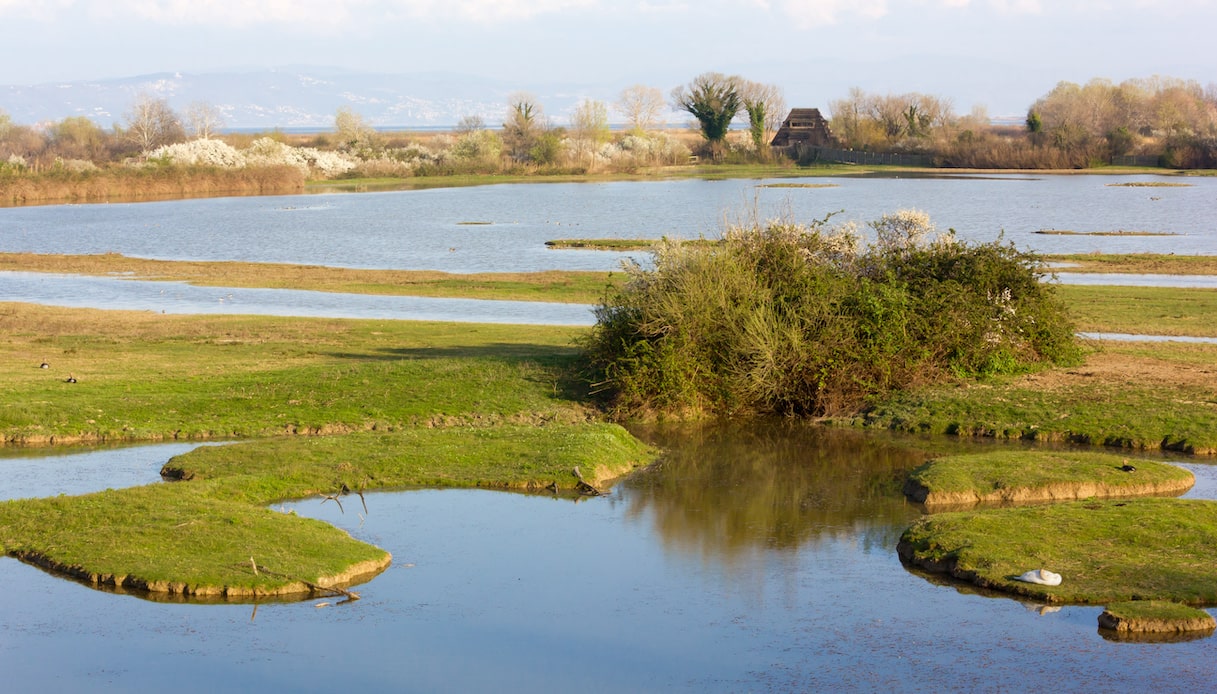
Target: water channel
x,y
753,558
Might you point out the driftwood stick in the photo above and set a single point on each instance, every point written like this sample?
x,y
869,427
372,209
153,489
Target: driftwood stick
x,y
582,486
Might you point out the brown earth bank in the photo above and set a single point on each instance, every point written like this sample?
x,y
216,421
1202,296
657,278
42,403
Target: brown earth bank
x,y
1061,491
295,587
1141,625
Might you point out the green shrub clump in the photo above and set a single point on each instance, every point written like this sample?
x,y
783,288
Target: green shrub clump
x,y
804,319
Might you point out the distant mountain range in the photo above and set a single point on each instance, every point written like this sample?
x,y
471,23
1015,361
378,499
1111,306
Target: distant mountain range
x,y
307,97
296,97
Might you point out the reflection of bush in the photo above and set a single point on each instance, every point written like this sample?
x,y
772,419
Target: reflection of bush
x,y
730,490
796,319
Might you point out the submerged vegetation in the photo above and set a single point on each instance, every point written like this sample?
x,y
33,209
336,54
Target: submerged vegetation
x,y
798,319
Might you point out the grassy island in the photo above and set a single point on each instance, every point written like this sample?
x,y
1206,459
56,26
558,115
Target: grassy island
x,y
1106,551
1025,476
214,537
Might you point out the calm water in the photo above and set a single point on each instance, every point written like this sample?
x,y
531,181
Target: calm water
x,y
502,228
757,559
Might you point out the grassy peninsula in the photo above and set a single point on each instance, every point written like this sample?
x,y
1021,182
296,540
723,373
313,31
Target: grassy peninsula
x,y
212,536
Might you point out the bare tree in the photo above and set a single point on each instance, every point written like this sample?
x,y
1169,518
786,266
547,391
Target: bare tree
x,y
766,109
642,107
77,137
589,128
470,124
353,132
152,123
203,120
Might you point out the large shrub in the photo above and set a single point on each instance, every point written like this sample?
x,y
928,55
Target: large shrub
x,y
802,319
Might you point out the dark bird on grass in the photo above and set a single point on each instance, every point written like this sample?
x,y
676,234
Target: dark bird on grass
x,y
71,379
1126,467
44,365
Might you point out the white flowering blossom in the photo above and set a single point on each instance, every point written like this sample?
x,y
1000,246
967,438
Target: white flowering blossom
x,y
16,161
201,152
269,152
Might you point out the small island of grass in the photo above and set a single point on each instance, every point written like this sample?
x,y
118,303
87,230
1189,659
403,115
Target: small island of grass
x,y
214,537
1106,551
1155,617
1020,477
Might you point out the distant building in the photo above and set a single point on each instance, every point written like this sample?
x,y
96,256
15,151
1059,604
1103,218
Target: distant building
x,y
803,127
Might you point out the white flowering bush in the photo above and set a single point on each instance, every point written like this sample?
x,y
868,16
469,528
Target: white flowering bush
x,y
311,162
201,152
75,165
14,163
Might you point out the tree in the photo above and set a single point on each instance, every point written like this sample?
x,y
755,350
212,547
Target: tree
x,y
766,108
152,123
641,106
589,128
713,99
470,124
524,124
353,133
77,137
203,120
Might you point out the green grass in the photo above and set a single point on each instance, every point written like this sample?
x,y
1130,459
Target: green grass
x,y
1106,551
1142,310
508,457
1138,396
148,377
1025,475
1137,263
201,534
169,534
1155,609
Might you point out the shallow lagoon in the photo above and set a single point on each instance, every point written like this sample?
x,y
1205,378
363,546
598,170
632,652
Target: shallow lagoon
x,y
758,559
503,228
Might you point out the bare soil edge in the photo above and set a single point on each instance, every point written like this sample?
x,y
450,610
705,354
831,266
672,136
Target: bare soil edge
x,y
1061,491
1156,625
360,572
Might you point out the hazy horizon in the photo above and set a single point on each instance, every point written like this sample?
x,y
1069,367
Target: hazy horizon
x,y
1000,54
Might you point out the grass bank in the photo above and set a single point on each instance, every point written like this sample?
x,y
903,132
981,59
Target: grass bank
x,y
1142,396
1177,311
555,285
1136,263
143,376
213,537
1106,551
1026,476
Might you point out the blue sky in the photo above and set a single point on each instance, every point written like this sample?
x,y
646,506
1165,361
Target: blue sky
x,y
1002,54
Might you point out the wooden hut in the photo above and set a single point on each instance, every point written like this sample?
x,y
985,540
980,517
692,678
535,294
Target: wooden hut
x,y
804,126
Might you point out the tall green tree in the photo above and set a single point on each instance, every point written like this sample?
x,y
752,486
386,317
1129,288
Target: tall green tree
x,y
714,100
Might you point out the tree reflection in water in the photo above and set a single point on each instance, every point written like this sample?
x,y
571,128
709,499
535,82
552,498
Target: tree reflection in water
x,y
733,490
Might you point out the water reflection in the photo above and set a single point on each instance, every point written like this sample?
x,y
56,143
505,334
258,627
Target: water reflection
x,y
730,490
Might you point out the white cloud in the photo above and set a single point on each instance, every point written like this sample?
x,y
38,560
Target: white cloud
x,y
812,13
320,13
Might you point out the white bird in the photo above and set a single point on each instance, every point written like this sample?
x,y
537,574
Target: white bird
x,y
1041,576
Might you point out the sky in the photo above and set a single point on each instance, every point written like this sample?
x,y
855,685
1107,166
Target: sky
x,y
1000,54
